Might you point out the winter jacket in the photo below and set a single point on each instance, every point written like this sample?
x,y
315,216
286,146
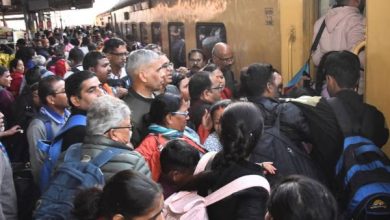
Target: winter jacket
x,y
130,159
246,204
151,147
345,28
292,121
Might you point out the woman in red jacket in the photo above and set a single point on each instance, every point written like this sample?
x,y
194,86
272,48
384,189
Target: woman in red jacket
x,y
168,117
17,74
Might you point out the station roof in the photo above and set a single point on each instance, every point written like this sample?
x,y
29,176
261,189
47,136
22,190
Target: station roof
x,y
45,5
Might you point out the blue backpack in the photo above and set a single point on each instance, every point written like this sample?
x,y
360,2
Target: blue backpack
x,y
51,147
362,171
73,175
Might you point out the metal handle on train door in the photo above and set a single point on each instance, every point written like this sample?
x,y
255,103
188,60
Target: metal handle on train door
x,y
291,40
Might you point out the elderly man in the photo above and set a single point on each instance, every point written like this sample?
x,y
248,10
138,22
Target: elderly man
x,y
223,57
145,68
109,126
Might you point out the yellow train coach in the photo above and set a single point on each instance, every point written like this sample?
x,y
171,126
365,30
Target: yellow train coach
x,y
279,32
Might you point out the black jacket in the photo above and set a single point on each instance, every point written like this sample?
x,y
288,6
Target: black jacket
x,y
246,204
292,121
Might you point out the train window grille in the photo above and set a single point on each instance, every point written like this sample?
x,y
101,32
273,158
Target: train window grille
x,y
177,48
134,31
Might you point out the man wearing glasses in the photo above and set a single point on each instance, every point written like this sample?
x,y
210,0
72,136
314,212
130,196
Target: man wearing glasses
x,y
116,52
223,57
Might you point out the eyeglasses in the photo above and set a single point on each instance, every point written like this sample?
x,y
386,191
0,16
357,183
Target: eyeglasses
x,y
180,113
226,60
126,54
219,88
165,66
130,127
59,92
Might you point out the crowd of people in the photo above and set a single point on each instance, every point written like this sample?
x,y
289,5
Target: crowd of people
x,y
85,88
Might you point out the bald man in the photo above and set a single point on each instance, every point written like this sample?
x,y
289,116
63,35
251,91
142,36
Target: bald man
x,y
223,57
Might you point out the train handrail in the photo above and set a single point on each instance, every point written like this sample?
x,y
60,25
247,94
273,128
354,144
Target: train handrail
x,y
359,47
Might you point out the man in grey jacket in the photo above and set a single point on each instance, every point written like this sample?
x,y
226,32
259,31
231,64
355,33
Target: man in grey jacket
x,y
109,125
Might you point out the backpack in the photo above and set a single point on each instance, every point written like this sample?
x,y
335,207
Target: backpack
x,y
362,171
73,175
51,147
187,205
274,146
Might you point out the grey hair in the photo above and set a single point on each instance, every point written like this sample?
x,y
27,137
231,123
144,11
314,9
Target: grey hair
x,y
138,59
39,60
104,113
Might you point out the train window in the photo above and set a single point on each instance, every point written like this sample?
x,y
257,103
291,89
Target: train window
x,y
208,34
134,31
156,33
127,15
144,33
177,47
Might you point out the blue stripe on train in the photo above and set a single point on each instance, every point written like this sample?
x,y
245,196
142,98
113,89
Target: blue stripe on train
x,y
366,167
366,191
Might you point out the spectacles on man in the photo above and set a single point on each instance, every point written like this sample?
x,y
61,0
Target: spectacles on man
x,y
130,127
180,113
225,60
218,88
59,92
125,54
165,66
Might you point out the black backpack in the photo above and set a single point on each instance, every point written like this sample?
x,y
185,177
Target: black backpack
x,y
288,158
363,170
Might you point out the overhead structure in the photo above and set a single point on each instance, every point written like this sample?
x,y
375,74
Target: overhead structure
x,y
10,7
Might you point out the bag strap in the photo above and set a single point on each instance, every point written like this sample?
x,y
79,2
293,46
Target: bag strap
x,y
47,123
237,185
73,121
106,155
317,39
204,161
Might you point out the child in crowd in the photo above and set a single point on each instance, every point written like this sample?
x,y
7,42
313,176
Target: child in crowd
x,y
178,161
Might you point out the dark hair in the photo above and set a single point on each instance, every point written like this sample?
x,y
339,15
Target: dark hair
x,y
14,63
91,47
85,41
178,155
76,55
128,193
196,51
45,87
241,127
25,54
73,83
299,197
111,44
254,80
33,76
3,70
211,67
199,82
344,67
177,78
91,59
218,105
162,105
